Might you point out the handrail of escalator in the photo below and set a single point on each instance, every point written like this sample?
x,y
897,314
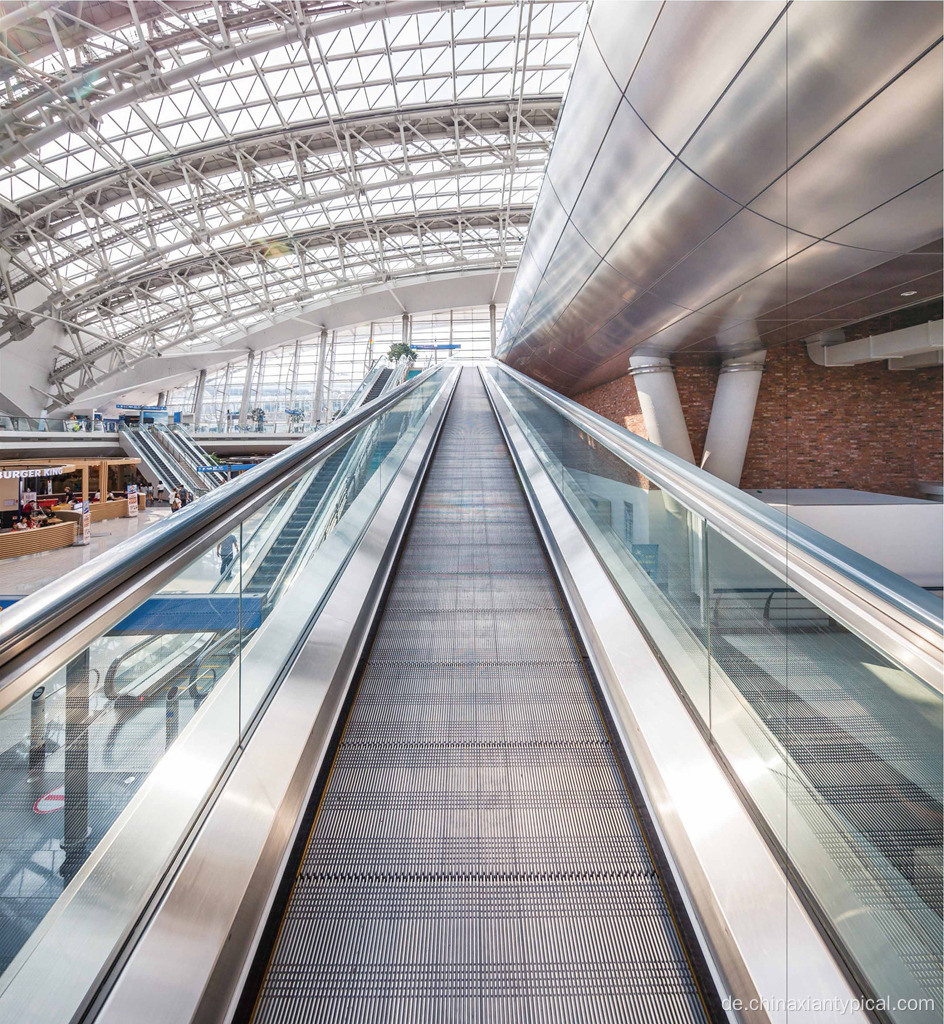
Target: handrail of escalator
x,y
354,400
36,616
154,457
870,599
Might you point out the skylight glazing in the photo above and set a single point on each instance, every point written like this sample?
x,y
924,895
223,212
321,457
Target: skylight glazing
x,y
191,170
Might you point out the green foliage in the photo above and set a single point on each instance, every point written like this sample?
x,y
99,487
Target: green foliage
x,y
400,350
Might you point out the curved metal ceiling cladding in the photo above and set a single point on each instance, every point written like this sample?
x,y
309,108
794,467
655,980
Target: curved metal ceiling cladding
x,y
726,175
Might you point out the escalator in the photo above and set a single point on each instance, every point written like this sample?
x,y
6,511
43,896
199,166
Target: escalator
x,y
378,385
156,465
404,787
284,545
476,853
187,452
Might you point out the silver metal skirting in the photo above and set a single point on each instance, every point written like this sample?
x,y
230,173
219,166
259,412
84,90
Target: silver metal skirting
x,y
475,856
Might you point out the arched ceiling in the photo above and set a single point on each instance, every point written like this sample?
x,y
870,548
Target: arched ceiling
x,y
174,174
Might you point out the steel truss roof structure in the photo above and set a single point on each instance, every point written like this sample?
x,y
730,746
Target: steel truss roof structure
x,y
174,172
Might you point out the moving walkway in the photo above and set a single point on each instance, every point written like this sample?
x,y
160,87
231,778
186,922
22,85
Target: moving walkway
x,y
506,743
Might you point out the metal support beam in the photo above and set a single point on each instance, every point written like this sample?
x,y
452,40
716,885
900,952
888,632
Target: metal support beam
x,y
330,388
492,331
293,386
222,421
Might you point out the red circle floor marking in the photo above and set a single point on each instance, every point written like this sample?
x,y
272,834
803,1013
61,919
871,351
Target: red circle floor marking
x,y
50,802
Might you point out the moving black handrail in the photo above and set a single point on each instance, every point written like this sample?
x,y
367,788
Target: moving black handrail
x,y
38,615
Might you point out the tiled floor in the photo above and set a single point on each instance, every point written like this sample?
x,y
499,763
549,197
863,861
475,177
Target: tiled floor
x,y
26,574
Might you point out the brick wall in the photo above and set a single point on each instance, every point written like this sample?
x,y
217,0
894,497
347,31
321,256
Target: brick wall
x,y
863,427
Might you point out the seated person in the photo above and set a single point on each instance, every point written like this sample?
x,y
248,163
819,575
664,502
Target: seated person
x,y
20,524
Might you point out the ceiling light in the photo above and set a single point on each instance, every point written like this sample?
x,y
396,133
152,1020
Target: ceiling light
x,y
907,295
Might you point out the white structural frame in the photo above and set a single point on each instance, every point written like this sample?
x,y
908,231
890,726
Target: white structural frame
x,y
175,176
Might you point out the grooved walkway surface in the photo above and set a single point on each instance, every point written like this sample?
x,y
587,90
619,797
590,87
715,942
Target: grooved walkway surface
x,y
475,856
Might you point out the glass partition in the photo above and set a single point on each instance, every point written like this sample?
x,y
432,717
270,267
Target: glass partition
x,y
838,749
166,695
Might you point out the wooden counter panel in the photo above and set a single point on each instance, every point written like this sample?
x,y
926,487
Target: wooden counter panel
x,y
44,538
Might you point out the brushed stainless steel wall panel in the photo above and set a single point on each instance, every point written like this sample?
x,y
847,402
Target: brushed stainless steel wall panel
x,y
620,31
591,100
915,214
630,163
893,143
550,217
691,57
741,89
681,212
727,260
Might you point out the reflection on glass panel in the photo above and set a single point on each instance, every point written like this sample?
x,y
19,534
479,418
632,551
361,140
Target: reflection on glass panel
x,y
658,563
77,750
838,749
862,741
310,537
189,665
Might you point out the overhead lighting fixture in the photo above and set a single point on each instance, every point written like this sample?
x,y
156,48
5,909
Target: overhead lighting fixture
x,y
907,295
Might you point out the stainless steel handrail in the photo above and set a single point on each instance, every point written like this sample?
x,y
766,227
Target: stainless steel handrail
x,y
897,617
36,616
363,387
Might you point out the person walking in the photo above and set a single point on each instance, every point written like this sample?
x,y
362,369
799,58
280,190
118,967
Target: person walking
x,y
175,502
227,549
160,491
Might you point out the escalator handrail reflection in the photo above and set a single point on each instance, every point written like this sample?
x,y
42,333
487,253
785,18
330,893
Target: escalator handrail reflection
x,y
30,620
849,584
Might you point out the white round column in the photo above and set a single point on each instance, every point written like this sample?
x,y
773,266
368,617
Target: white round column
x,y
660,406
732,414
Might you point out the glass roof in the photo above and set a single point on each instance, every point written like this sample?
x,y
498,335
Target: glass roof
x,y
173,173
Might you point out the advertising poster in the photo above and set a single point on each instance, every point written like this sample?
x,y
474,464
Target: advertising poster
x,y
83,535
132,492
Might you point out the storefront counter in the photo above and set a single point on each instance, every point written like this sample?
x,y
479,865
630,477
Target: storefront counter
x,y
43,538
98,510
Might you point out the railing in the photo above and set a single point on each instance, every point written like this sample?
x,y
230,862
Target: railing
x,y
125,780
814,673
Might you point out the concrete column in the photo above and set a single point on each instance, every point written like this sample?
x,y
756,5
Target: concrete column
x,y
659,402
162,398
492,328
247,390
222,419
319,377
330,385
405,329
732,414
198,398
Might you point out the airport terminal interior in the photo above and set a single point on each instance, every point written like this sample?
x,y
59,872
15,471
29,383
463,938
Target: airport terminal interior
x,y
471,511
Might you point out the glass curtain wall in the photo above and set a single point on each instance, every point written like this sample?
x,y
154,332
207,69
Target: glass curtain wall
x,y
282,381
